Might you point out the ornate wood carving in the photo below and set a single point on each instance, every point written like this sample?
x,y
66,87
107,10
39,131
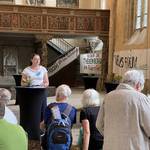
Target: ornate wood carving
x,y
53,20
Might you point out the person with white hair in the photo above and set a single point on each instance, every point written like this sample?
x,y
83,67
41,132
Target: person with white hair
x,y
63,93
124,118
10,134
5,96
91,104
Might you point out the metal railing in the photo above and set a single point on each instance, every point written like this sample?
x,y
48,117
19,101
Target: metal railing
x,y
62,44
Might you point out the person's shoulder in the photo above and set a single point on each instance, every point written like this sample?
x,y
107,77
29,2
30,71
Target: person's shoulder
x,y
43,68
143,96
26,69
74,108
17,127
12,126
138,94
9,116
71,106
51,105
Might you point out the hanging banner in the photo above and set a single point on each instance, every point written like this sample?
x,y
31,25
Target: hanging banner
x,y
90,63
132,59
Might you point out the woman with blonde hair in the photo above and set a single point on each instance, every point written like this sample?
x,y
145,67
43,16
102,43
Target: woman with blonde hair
x,y
92,139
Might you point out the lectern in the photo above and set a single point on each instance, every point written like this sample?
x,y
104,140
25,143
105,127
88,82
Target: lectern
x,y
30,100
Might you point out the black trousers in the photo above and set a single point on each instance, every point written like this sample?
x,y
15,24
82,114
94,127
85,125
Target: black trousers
x,y
97,145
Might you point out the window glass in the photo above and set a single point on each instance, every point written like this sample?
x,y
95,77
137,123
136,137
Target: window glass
x,y
139,8
141,14
138,22
144,21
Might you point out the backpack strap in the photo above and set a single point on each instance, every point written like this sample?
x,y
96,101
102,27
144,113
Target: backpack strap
x,y
67,110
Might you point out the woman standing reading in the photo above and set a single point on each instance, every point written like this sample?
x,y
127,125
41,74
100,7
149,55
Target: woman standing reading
x,y
36,75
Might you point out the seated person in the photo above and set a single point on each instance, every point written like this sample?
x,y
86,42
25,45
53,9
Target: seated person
x,y
12,137
9,115
92,139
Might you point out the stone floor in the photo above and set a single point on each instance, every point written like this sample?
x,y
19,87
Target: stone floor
x,y
75,100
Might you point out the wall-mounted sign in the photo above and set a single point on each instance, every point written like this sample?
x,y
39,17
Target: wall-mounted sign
x,y
132,59
90,63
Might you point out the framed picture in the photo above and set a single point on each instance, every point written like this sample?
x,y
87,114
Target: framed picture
x,y
67,3
35,2
6,1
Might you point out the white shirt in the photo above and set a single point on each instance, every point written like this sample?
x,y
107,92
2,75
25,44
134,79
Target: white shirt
x,y
9,116
36,76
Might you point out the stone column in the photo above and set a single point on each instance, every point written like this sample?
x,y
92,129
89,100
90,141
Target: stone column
x,y
104,65
112,30
43,51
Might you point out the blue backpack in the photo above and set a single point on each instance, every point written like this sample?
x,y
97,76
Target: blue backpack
x,y
59,132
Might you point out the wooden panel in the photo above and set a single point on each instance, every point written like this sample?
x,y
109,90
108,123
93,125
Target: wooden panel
x,y
47,20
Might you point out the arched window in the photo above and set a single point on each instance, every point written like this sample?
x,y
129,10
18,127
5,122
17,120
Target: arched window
x,y
141,14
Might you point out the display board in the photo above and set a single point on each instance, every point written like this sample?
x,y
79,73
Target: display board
x,y
90,63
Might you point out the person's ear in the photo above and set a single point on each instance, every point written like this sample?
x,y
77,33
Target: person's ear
x,y
138,87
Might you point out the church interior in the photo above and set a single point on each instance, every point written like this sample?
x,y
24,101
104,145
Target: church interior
x,y
111,35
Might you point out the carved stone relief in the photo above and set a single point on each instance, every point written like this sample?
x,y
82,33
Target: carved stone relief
x,y
10,61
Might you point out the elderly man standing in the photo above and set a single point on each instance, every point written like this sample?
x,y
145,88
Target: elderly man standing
x,y
12,137
124,118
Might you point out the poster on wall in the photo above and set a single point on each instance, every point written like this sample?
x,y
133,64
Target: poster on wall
x,y
132,59
90,63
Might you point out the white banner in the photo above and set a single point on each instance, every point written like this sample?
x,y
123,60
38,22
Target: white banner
x,y
90,63
132,59
62,62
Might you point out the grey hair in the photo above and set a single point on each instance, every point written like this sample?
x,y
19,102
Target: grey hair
x,y
132,77
63,90
5,95
90,97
